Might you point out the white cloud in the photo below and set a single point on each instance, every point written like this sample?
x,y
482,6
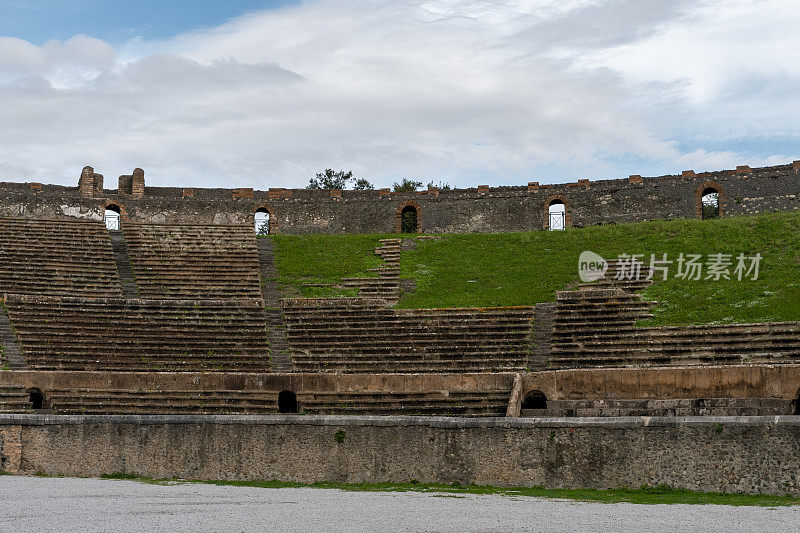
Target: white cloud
x,y
462,91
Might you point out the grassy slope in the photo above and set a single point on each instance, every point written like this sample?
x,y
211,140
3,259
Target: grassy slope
x,y
323,259
525,268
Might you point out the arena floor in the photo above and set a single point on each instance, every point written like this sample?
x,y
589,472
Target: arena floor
x,y
68,504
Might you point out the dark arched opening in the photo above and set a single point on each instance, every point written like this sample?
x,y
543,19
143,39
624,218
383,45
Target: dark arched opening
x,y
709,203
36,398
287,402
796,404
408,219
112,216
262,221
535,399
557,215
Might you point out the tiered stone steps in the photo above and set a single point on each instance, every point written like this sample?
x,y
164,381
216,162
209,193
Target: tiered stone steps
x,y
619,275
57,257
194,261
477,402
14,399
597,328
433,403
665,407
276,329
386,284
141,335
127,279
363,335
155,402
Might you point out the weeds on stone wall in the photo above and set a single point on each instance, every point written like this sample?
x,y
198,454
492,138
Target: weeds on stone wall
x,y
339,436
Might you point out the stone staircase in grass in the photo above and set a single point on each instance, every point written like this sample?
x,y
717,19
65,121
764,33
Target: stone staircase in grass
x,y
57,257
112,334
353,335
597,328
194,261
386,284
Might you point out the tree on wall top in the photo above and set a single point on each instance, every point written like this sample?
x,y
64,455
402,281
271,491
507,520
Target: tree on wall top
x,y
407,185
362,184
337,180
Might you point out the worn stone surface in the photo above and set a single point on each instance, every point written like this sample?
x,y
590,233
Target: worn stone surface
x,y
729,454
496,209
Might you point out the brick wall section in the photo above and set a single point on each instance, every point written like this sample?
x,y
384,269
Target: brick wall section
x,y
364,335
748,455
493,209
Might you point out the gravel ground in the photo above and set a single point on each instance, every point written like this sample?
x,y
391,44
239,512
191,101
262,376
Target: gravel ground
x,y
66,504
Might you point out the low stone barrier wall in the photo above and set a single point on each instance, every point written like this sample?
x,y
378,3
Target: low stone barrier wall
x,y
730,454
257,393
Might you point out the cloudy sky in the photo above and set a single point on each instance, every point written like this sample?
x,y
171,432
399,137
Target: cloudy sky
x,y
265,94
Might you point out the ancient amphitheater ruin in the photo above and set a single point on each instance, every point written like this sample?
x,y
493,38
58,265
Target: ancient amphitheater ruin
x,y
158,343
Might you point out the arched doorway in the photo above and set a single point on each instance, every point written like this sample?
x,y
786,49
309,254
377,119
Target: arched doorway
x,y
535,399
287,402
36,398
112,216
262,221
709,203
796,404
408,219
557,215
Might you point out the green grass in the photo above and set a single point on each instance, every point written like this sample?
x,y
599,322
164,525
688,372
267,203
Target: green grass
x,y
507,269
480,270
324,259
646,495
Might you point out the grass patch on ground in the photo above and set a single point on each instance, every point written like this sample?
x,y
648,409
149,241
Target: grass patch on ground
x,y
303,260
645,495
481,270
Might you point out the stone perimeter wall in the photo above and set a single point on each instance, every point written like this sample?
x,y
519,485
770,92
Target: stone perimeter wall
x,y
726,454
482,209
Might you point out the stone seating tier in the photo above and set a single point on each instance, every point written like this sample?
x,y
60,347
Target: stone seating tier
x,y
139,334
598,328
362,335
194,261
57,257
477,402
14,399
